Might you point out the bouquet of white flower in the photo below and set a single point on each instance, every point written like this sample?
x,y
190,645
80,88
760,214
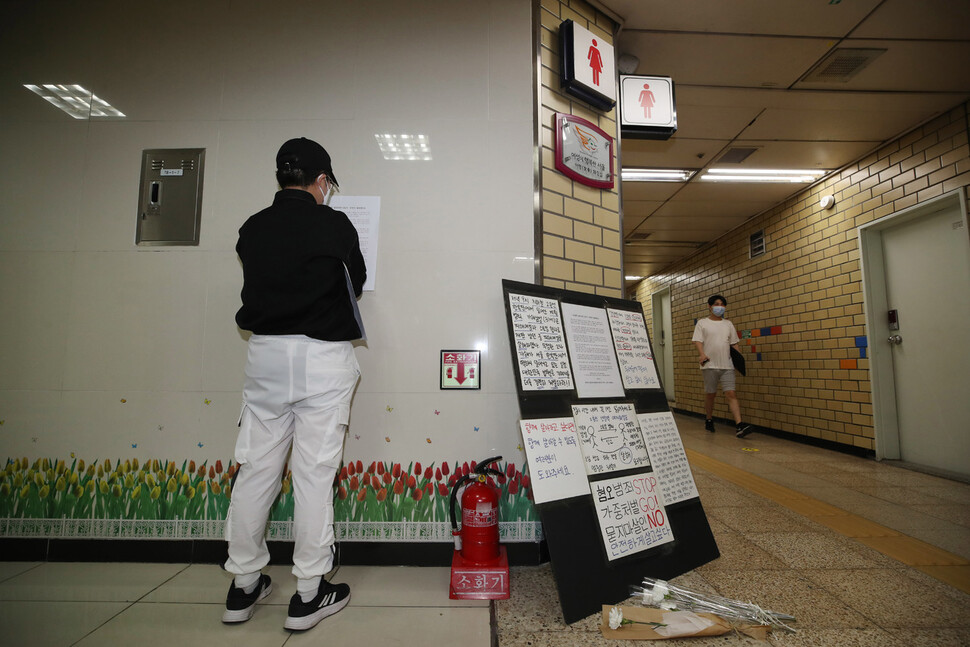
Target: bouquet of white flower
x,y
663,595
645,623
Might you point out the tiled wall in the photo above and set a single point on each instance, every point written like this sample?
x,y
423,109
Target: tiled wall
x,y
581,240
799,307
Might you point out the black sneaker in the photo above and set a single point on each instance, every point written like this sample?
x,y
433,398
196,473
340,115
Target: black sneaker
x,y
330,599
240,605
743,429
709,425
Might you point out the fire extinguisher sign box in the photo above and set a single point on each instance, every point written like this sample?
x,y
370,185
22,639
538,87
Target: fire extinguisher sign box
x,y
475,581
461,369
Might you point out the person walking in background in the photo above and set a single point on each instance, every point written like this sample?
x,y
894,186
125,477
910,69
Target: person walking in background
x,y
302,272
713,337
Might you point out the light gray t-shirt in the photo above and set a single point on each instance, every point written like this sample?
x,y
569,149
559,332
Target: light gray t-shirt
x,y
717,337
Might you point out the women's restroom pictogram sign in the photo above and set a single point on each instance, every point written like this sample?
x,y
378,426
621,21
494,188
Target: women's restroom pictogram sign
x,y
461,369
588,69
647,101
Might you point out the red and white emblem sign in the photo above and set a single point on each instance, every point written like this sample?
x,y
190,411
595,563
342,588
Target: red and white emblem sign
x,y
584,152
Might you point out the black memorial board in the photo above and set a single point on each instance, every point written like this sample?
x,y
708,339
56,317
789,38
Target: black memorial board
x,y
589,571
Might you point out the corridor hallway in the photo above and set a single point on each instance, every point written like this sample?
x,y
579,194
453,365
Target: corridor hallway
x,y
862,553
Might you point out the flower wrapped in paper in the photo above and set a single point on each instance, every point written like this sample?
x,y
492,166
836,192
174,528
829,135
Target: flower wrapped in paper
x,y
647,623
666,596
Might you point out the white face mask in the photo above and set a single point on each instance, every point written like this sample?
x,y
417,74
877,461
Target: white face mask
x,y
326,193
718,311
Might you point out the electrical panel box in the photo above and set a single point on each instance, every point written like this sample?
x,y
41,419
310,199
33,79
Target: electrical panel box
x,y
170,196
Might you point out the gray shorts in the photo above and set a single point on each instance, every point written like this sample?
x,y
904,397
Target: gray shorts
x,y
715,376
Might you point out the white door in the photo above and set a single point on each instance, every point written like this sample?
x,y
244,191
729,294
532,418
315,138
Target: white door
x,y
663,345
926,261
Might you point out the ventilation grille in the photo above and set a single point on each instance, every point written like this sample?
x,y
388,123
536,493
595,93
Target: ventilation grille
x,y
185,165
757,244
842,64
736,155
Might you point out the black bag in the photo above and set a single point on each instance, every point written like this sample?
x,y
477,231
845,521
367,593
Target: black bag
x,y
738,360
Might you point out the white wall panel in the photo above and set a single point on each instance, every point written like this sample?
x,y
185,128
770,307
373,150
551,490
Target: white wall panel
x,y
91,320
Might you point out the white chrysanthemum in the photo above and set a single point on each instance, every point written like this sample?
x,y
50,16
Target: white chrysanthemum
x,y
616,617
656,595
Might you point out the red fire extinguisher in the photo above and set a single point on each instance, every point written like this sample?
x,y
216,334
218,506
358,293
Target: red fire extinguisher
x,y
477,541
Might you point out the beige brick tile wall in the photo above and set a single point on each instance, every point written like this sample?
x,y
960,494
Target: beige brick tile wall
x,y
810,379
582,240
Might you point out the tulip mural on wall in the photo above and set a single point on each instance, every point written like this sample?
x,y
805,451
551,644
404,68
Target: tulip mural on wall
x,y
162,490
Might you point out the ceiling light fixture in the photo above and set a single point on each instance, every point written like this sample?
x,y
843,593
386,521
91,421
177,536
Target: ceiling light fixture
x,y
404,147
633,278
75,100
655,175
762,175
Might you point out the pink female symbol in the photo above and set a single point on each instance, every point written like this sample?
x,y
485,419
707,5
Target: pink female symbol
x,y
646,100
595,62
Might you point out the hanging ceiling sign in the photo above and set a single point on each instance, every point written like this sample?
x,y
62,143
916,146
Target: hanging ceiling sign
x,y
647,108
584,153
587,69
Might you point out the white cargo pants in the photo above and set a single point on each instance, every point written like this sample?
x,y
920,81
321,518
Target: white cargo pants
x,y
297,393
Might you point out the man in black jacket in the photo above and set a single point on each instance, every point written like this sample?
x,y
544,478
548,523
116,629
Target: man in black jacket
x,y
302,273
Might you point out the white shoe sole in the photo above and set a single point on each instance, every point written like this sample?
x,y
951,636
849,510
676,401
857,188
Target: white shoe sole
x,y
242,615
310,621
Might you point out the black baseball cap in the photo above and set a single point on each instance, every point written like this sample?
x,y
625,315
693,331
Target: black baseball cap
x,y
306,155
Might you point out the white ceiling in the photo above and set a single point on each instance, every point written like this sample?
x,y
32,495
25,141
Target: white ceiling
x,y
737,67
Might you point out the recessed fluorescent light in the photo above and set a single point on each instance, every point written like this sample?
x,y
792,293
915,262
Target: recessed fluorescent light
x,y
75,100
404,147
633,278
763,175
655,175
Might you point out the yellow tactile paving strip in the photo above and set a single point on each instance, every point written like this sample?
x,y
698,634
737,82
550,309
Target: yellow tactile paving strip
x,y
938,563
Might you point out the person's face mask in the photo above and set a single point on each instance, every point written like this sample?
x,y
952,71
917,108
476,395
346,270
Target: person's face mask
x,y
718,311
326,190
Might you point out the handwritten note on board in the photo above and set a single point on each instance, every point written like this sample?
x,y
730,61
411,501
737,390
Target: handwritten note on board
x,y
540,344
631,514
633,349
667,456
610,437
555,460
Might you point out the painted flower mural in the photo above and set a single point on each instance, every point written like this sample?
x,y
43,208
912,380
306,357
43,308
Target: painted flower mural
x,y
156,489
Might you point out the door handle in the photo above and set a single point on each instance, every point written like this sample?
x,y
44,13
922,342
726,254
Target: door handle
x,y
895,339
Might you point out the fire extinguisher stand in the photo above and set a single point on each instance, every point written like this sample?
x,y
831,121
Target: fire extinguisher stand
x,y
480,565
